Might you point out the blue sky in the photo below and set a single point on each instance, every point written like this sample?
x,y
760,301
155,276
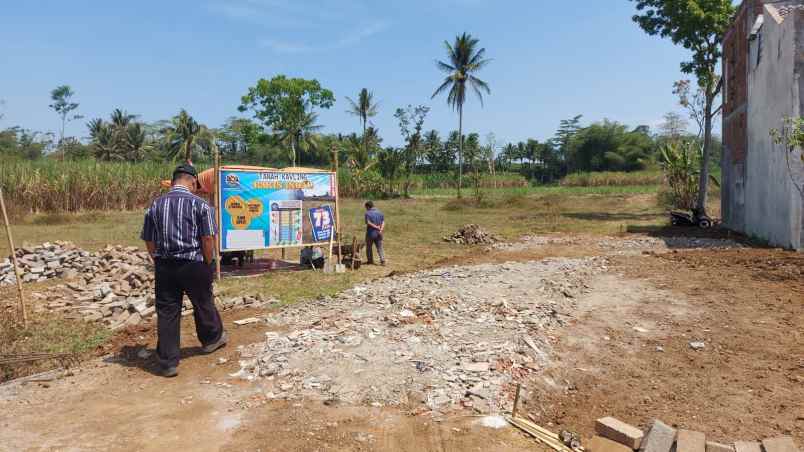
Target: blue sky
x,y
551,60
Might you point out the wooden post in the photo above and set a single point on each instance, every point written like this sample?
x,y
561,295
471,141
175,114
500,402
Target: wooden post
x,y
337,229
516,400
217,205
17,274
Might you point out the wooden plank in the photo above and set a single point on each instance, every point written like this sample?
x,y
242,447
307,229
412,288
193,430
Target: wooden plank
x,y
17,274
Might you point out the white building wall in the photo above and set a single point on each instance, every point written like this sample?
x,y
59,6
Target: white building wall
x,y
773,206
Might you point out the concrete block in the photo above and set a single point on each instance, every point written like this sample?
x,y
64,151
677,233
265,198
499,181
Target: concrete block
x,y
712,446
780,444
747,446
600,444
619,431
660,438
690,441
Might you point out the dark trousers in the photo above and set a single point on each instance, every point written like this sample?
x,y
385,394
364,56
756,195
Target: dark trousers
x,y
376,241
174,279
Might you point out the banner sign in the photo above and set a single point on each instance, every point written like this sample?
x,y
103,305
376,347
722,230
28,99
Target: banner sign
x,y
322,220
265,209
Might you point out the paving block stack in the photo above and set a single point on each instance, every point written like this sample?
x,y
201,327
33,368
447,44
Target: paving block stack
x,y
114,286
613,435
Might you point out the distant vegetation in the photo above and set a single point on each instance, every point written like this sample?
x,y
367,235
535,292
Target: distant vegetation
x,y
119,163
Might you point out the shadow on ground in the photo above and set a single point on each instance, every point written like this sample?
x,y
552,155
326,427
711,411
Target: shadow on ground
x,y
131,356
610,216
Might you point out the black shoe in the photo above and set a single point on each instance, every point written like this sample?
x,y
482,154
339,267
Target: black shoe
x,y
209,348
168,372
382,263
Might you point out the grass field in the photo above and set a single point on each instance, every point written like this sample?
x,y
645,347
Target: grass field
x,y
540,190
413,236
414,240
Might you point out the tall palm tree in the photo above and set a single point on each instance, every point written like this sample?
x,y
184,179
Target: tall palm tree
x,y
364,108
299,132
510,154
184,135
465,60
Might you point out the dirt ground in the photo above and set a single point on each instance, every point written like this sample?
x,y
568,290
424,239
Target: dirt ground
x,y
625,353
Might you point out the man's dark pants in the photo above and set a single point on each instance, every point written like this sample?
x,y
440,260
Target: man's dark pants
x,y
175,278
376,240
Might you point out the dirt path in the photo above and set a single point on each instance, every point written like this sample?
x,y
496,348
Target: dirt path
x,y
625,352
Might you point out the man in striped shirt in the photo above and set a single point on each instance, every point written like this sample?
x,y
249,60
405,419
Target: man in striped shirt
x,y
179,232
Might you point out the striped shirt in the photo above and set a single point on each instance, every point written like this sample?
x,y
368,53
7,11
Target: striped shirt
x,y
175,222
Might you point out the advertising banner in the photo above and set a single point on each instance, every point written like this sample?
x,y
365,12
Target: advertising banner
x,y
265,209
322,221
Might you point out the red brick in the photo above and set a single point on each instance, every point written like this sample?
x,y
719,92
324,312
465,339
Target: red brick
x,y
690,441
747,446
619,431
780,444
600,444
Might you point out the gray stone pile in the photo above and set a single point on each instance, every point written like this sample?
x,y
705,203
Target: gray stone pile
x,y
471,234
114,286
432,340
46,261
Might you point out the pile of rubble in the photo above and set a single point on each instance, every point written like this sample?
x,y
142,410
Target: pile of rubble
x,y
432,340
114,286
472,234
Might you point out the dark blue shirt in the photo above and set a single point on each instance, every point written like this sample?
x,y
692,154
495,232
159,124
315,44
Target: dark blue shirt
x,y
175,222
376,217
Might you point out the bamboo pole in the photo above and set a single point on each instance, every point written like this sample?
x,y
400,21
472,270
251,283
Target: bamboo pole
x,y
337,229
17,274
516,401
217,203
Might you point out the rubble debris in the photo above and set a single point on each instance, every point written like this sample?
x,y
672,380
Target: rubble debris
x,y
113,286
472,234
697,345
435,340
247,321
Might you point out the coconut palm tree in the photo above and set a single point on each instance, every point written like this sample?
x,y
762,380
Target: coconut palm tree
x,y
184,135
364,108
465,60
299,133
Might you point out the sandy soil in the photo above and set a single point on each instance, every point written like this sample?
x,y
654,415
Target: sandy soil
x,y
626,354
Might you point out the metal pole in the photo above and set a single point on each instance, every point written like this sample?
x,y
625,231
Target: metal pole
x,y
17,274
217,202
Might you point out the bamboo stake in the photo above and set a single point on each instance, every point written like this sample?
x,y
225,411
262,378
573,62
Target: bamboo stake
x,y
337,229
516,400
17,274
217,202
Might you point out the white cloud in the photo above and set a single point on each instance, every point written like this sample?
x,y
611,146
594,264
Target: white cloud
x,y
285,47
288,19
361,34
